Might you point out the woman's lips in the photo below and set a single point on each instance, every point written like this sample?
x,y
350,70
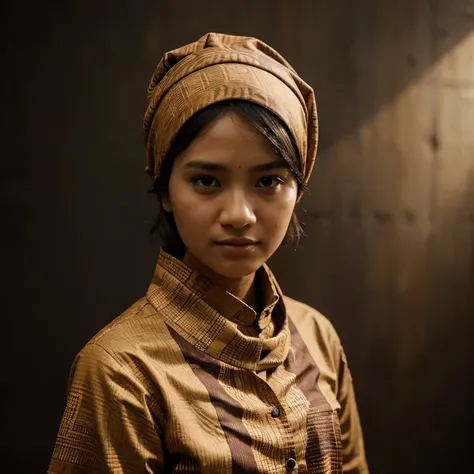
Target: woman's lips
x,y
240,248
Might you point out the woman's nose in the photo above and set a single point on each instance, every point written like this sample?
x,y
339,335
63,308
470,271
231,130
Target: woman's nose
x,y
237,211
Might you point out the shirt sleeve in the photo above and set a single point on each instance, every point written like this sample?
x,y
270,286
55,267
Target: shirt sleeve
x,y
108,424
353,452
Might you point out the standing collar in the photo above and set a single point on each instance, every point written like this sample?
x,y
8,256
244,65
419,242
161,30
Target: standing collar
x,y
208,317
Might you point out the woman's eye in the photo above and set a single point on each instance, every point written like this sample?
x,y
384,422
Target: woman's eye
x,y
205,181
270,182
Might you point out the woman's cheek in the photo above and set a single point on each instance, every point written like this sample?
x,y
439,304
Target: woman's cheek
x,y
192,216
283,211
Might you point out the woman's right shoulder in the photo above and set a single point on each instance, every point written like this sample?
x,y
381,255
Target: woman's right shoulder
x,y
127,335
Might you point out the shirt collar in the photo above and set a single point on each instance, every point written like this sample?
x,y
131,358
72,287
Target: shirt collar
x,y
207,316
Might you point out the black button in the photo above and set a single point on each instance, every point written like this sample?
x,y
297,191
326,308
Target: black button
x,y
275,412
291,463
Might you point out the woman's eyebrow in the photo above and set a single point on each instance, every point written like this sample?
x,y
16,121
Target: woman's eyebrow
x,y
271,165
209,166
205,165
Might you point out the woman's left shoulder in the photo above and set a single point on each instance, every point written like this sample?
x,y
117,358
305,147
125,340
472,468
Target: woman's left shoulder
x,y
309,320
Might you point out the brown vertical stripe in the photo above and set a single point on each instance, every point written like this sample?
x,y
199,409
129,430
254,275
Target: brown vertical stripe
x,y
229,411
323,449
301,363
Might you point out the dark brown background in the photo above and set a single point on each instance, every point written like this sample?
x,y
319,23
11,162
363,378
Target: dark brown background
x,y
390,217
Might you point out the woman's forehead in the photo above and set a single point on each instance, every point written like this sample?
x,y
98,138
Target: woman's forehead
x,y
231,142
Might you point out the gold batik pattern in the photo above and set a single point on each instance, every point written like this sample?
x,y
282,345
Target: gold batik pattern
x,y
183,382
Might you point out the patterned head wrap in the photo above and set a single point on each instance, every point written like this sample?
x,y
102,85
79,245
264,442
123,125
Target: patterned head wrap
x,y
221,67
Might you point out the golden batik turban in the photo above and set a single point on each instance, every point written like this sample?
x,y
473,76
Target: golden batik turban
x,y
221,67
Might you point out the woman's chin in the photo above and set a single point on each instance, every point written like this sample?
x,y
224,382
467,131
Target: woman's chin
x,y
216,266
236,269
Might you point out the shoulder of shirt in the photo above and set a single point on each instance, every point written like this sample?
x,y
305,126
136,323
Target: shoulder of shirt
x,y
136,326
306,318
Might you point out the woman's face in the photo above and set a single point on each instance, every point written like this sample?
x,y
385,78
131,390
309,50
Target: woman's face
x,y
232,199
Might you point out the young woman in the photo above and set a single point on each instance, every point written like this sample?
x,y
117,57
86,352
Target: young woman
x,y
215,370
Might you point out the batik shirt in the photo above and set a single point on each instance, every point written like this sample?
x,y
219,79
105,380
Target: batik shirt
x,y
191,379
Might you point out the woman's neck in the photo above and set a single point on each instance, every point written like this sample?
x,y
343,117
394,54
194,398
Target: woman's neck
x,y
243,287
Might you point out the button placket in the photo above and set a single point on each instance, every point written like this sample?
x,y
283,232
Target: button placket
x,y
284,414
